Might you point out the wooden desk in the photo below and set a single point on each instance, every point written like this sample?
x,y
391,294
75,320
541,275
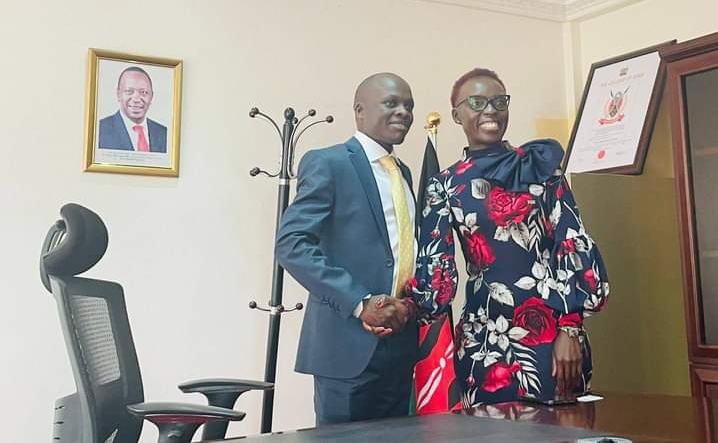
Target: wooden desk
x,y
641,418
437,428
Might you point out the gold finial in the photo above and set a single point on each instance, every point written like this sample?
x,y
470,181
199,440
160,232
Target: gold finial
x,y
432,122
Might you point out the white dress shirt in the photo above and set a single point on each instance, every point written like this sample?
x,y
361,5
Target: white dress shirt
x,y
129,124
374,152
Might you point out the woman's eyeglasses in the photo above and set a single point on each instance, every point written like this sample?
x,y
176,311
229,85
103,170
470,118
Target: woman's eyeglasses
x,y
478,102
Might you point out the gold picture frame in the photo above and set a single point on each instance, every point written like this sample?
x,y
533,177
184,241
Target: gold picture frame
x,y
132,114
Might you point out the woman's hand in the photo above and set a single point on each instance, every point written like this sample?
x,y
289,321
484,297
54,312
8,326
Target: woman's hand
x,y
567,364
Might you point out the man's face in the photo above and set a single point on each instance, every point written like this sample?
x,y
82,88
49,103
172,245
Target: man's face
x,y
135,95
384,111
486,127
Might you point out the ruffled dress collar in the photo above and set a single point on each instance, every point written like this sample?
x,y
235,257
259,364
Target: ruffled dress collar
x,y
515,168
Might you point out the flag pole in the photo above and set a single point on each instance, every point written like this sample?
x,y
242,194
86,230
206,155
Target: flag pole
x,y
432,126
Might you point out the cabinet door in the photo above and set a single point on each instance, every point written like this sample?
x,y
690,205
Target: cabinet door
x,y
705,388
694,92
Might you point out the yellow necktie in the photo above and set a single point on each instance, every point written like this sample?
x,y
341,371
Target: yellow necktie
x,y
403,220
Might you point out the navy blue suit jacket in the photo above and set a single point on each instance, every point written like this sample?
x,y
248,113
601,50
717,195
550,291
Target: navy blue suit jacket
x,y
333,240
113,134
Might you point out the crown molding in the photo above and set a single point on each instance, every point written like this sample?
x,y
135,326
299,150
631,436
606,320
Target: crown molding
x,y
584,9
554,10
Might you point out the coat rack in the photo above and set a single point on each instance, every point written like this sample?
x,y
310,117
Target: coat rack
x,y
289,135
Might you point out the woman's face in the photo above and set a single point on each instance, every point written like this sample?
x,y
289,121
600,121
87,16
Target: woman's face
x,y
483,127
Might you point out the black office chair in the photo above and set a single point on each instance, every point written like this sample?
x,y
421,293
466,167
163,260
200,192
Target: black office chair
x,y
108,405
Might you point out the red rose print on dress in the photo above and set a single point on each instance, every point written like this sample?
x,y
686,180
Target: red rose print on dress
x,y
590,279
560,190
443,284
464,166
566,247
409,287
505,207
574,320
499,376
479,250
537,318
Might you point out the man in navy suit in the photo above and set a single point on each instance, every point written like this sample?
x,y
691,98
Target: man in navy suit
x,y
345,239
128,129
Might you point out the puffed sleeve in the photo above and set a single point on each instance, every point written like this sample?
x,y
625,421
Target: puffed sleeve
x,y
434,285
580,285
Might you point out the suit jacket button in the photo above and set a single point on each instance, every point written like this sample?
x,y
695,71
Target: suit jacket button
x,y
389,263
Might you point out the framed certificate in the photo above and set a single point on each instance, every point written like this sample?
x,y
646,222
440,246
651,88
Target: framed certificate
x,y
617,112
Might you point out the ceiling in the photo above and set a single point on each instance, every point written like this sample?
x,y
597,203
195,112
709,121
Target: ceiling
x,y
554,10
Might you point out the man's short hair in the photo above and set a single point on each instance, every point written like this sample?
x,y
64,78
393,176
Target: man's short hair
x,y
370,79
476,72
134,69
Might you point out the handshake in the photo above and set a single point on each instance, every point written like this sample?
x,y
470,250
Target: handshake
x,y
383,314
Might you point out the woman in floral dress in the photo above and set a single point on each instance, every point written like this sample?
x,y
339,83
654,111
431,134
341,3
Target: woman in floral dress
x,y
534,272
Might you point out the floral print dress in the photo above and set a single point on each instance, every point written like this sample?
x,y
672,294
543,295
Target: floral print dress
x,y
531,265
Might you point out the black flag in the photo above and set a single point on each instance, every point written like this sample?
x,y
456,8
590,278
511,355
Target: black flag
x,y
429,168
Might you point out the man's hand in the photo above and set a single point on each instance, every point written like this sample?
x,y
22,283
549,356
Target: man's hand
x,y
383,314
567,364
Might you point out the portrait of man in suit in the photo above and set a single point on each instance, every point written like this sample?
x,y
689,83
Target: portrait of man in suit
x,y
129,129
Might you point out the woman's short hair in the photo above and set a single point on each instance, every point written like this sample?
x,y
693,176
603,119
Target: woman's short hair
x,y
476,72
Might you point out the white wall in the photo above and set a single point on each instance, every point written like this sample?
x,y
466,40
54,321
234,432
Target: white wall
x,y
653,355
191,252
638,26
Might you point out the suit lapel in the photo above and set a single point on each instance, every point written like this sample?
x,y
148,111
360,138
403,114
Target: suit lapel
x,y
153,129
121,131
151,135
366,177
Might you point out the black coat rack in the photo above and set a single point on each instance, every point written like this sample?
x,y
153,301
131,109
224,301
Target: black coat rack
x,y
289,135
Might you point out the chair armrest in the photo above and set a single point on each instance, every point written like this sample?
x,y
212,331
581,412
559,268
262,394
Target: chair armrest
x,y
167,410
222,392
224,385
177,422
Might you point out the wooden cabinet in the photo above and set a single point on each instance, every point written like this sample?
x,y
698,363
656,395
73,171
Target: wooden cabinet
x,y
704,379
693,88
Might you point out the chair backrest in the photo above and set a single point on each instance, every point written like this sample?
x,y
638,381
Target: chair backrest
x,y
93,318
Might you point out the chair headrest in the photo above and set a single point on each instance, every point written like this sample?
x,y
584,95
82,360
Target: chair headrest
x,y
74,244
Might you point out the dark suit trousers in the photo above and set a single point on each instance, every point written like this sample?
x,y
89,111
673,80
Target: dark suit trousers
x,y
381,390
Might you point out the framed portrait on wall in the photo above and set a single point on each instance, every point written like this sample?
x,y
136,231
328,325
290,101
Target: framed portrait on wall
x,y
132,114
617,113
